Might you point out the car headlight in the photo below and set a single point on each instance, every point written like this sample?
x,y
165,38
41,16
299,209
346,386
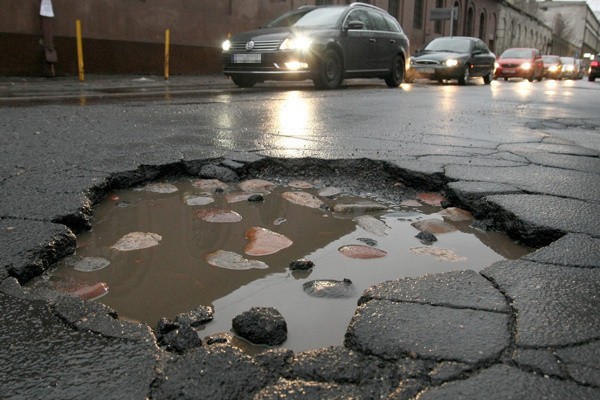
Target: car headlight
x,y
526,66
451,62
570,68
553,68
496,65
226,45
296,43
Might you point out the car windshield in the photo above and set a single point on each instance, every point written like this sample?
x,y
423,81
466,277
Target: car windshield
x,y
454,45
567,60
322,17
517,53
289,18
551,59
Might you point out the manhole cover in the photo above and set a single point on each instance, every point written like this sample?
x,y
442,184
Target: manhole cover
x,y
169,247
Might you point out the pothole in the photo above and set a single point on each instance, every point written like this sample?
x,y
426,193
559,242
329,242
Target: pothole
x,y
168,247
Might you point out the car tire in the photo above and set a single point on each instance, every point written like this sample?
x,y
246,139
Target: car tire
x,y
396,76
505,79
487,79
243,81
591,78
463,79
530,79
329,74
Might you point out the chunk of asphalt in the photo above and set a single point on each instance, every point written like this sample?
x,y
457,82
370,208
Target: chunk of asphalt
x,y
456,289
392,330
574,250
505,382
555,305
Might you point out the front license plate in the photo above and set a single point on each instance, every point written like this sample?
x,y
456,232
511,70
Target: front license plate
x,y
509,70
425,70
254,58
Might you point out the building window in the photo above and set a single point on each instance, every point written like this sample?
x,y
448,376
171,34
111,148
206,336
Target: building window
x,y
418,14
469,22
394,7
482,27
455,23
437,25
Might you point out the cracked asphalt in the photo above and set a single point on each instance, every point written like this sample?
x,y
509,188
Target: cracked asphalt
x,y
523,157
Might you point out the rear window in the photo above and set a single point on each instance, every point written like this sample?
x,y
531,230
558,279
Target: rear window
x,y
393,25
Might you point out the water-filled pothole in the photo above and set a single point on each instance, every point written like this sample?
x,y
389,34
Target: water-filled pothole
x,y
166,248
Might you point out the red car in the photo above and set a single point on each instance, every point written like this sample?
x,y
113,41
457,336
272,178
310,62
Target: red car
x,y
520,63
594,71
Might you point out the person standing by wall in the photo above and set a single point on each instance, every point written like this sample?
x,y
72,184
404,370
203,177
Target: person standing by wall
x,y
47,40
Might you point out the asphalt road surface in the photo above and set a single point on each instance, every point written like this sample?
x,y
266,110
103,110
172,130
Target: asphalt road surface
x,y
522,156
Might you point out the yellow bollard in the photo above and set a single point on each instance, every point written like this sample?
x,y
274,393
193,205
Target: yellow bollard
x,y
167,44
79,50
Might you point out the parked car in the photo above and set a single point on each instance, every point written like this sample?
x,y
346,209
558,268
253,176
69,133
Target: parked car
x,y
322,43
570,69
520,63
594,71
456,57
552,67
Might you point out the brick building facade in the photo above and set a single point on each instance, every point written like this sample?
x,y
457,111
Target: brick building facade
x,y
127,36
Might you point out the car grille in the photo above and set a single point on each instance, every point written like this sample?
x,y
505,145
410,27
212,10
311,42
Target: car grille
x,y
427,62
259,45
510,65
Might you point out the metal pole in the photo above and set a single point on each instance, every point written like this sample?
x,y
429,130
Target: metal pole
x,y
167,45
79,50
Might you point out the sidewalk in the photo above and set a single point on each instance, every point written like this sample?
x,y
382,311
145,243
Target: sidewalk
x,y
21,88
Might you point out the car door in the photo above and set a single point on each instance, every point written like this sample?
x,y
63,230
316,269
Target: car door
x,y
360,43
483,59
385,42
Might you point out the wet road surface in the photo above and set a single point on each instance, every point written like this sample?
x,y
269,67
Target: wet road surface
x,y
523,155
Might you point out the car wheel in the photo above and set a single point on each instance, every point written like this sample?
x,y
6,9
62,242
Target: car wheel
x,y
591,78
530,79
243,81
463,79
329,74
396,76
505,79
488,78
539,78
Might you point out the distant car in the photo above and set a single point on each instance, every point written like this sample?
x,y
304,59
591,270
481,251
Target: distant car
x,y
552,67
580,68
520,63
322,43
594,71
456,57
570,69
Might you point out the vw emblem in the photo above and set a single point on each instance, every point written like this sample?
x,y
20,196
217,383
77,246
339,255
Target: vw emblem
x,y
250,45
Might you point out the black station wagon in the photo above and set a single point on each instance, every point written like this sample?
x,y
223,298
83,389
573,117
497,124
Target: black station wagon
x,y
322,43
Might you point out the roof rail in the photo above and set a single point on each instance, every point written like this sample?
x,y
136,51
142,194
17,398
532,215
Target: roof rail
x,y
359,4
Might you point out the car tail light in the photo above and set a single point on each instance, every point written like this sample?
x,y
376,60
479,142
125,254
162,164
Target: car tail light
x,y
595,64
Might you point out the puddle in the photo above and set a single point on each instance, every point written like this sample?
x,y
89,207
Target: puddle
x,y
148,254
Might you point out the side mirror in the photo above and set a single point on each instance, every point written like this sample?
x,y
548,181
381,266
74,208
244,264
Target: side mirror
x,y
355,25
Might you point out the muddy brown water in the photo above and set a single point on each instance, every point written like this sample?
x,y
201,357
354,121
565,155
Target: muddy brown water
x,y
174,277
